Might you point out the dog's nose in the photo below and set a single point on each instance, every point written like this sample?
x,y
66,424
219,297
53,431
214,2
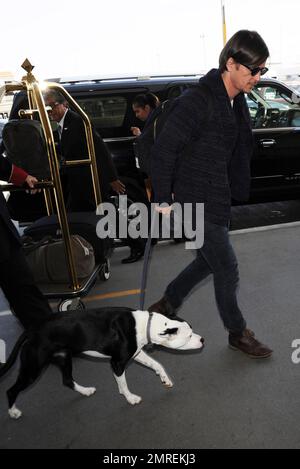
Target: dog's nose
x,y
202,340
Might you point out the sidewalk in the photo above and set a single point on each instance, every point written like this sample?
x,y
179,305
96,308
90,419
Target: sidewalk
x,y
220,398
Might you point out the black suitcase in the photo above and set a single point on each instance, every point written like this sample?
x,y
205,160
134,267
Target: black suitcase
x,y
25,146
80,223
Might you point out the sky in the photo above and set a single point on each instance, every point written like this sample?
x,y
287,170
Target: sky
x,y
139,37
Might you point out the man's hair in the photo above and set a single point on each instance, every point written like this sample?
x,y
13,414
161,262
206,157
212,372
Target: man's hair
x,y
55,95
142,100
245,47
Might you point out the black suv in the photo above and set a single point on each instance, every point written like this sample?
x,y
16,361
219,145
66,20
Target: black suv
x,y
108,103
274,110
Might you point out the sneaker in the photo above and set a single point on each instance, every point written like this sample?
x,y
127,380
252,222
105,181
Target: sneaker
x,y
247,343
163,306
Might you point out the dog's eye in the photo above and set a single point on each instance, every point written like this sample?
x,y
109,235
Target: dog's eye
x,y
173,331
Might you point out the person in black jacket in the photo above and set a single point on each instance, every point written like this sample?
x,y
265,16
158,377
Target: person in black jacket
x,y
16,280
143,106
215,169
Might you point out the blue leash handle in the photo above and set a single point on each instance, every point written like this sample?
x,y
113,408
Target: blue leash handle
x,y
147,257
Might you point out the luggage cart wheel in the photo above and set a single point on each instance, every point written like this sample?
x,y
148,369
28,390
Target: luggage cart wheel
x,y
67,305
105,271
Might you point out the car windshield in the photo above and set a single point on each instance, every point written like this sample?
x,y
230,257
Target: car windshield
x,y
272,97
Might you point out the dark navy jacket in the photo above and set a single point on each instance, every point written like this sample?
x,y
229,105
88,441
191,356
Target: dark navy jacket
x,y
191,158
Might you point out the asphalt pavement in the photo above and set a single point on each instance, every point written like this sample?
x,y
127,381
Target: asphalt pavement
x,y
220,399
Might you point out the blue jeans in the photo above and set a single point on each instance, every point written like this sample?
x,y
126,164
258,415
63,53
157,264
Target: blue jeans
x,y
218,258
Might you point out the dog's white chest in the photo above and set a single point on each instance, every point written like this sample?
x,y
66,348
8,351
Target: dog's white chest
x,y
91,353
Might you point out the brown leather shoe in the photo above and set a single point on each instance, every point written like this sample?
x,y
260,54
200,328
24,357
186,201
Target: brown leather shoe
x,y
248,344
163,306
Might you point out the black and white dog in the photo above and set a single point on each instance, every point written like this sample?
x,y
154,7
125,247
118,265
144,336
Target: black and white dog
x,y
115,332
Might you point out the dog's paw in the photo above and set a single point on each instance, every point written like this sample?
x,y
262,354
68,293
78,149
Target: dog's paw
x,y
83,390
133,399
14,413
167,383
89,391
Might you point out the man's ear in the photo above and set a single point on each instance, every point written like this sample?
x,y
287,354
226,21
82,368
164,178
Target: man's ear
x,y
230,64
170,331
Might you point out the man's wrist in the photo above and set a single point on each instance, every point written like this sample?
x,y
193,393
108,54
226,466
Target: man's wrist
x,y
18,176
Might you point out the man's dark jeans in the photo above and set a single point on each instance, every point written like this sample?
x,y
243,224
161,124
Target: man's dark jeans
x,y
218,258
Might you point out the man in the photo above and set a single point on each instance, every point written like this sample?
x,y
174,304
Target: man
x,y
215,169
143,106
16,280
72,146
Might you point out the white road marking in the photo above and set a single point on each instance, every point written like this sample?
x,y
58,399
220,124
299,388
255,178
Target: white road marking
x,y
266,228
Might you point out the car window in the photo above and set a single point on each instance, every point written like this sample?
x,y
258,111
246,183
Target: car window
x,y
175,91
271,106
2,124
253,107
105,111
5,103
111,113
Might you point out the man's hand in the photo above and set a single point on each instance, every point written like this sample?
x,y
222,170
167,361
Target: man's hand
x,y
31,181
118,186
164,210
136,131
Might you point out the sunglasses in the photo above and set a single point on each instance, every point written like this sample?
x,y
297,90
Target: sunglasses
x,y
255,70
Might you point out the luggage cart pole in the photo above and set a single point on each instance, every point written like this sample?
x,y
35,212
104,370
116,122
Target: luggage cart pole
x,y
58,192
90,145
33,86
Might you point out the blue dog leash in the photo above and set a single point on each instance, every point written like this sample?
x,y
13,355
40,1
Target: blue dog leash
x,y
147,257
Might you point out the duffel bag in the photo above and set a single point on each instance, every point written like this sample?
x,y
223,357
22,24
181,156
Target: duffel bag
x,y
47,258
80,223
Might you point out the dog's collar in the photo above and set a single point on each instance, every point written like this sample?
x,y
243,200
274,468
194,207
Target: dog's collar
x,y
148,328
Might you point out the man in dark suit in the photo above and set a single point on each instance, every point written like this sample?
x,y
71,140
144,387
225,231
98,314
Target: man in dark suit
x,y
77,182
72,146
16,280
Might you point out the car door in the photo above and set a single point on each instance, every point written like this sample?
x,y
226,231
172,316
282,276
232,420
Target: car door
x,y
275,117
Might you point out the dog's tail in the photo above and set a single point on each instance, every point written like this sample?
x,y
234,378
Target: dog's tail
x,y
13,356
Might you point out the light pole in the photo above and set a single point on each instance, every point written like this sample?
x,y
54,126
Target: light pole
x,y
202,37
223,21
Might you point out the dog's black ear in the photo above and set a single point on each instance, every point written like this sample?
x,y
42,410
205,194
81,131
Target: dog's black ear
x,y
170,331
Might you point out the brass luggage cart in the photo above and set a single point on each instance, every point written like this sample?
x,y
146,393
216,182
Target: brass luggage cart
x,y
70,298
